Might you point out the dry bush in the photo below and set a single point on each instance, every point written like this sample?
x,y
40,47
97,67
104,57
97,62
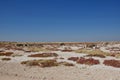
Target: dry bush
x,y
41,63
93,52
6,59
117,55
2,51
83,51
45,63
114,63
6,53
73,58
66,50
96,55
16,55
61,58
89,61
44,55
66,64
35,49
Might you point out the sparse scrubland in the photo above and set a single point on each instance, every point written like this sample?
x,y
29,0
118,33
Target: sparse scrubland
x,y
97,53
35,49
48,62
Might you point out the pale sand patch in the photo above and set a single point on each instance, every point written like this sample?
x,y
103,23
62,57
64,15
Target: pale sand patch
x,y
15,71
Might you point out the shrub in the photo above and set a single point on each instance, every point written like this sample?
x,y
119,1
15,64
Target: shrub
x,y
117,55
35,49
73,58
61,58
114,63
89,61
67,50
45,63
44,55
41,63
66,64
96,55
6,59
16,55
6,53
93,52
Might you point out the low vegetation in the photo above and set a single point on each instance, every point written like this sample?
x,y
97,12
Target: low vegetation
x,y
96,55
114,63
41,63
35,49
6,53
66,64
66,50
6,59
45,63
89,61
73,58
117,55
44,55
16,55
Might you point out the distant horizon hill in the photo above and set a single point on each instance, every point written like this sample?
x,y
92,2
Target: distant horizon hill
x,y
59,41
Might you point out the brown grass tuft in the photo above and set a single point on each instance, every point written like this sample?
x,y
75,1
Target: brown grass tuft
x,y
73,58
6,59
41,63
89,61
66,64
6,53
96,55
114,63
44,55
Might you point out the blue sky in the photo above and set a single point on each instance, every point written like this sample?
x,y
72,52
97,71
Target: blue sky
x,y
59,20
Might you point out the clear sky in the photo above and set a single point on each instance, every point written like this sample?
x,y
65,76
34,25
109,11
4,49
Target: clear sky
x,y
60,20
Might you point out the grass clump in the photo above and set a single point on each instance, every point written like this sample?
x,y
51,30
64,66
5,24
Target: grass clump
x,y
113,63
41,63
89,61
44,55
6,53
16,55
66,64
97,53
117,55
6,59
45,63
35,49
73,58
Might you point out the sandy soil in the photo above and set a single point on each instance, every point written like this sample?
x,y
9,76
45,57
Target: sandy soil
x,y
13,70
16,71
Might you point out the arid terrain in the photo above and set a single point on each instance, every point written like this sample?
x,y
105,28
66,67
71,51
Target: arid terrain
x,y
60,61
